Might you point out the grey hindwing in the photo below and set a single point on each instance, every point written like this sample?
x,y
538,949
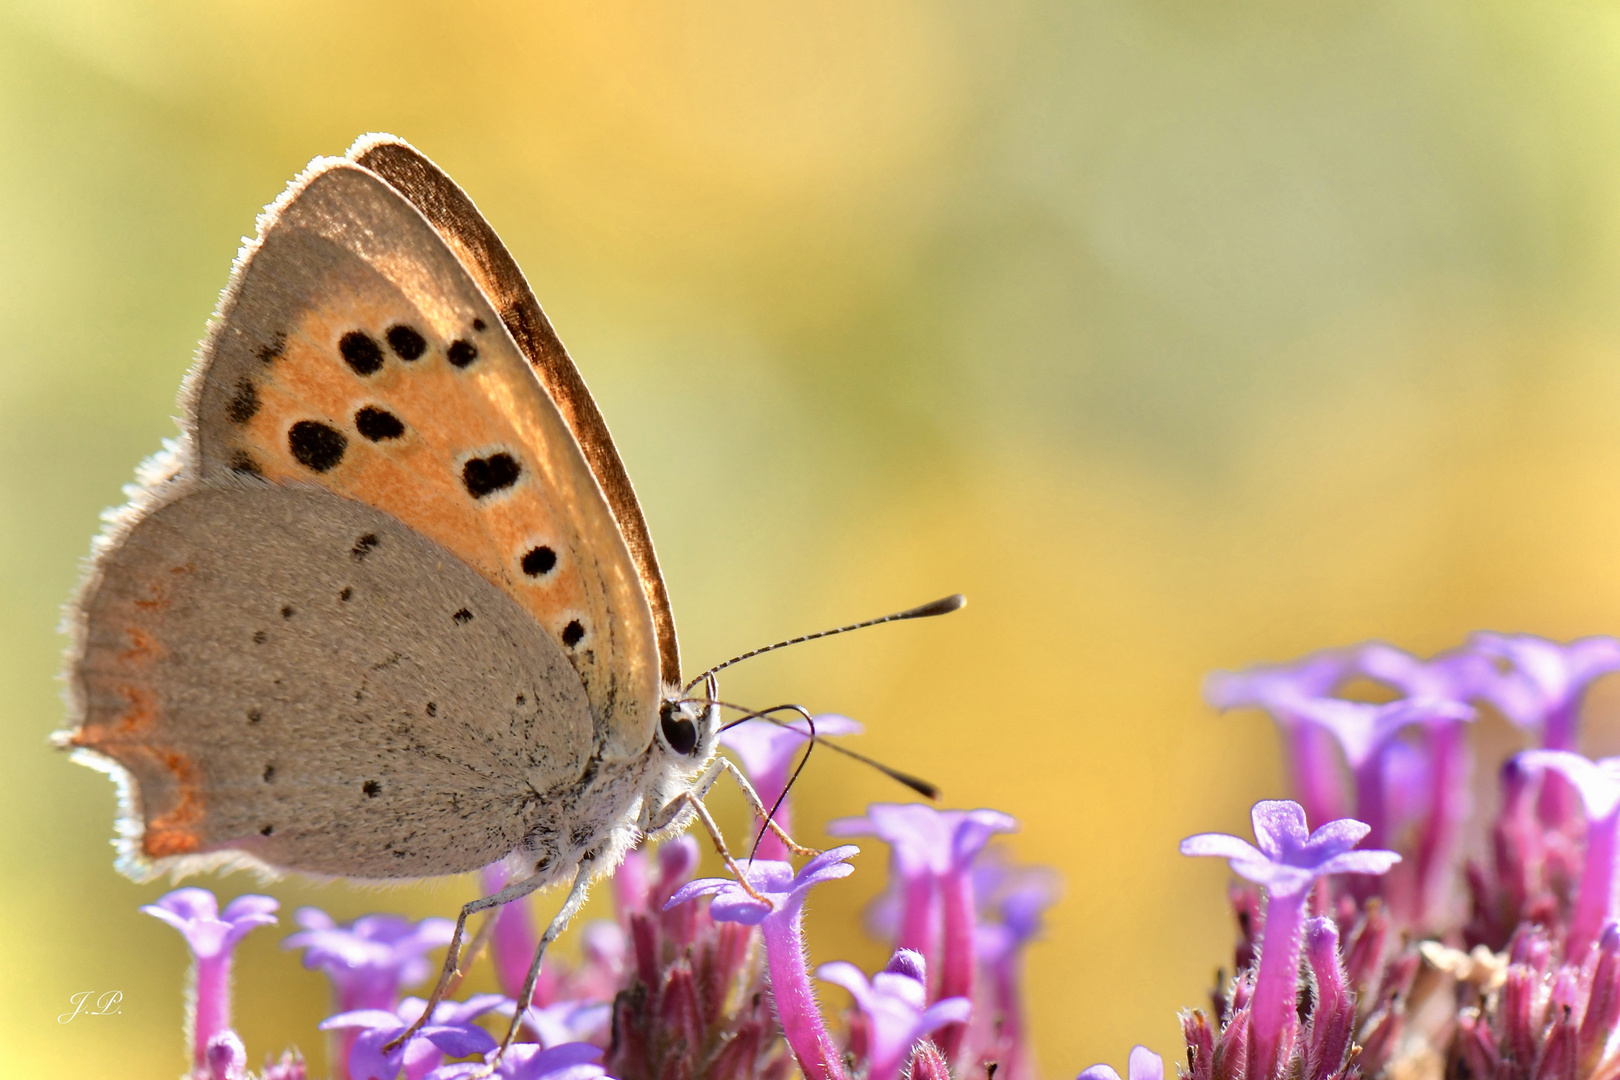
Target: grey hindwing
x,y
349,697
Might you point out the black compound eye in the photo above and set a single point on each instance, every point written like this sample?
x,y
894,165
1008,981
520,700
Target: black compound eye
x,y
679,732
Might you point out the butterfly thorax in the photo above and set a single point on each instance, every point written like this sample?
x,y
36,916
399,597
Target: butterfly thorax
x,y
617,803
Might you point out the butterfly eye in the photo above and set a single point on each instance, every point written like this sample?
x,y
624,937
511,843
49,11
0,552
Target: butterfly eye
x,y
679,731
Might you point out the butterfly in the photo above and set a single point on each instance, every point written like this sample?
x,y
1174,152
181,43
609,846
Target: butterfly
x,y
388,607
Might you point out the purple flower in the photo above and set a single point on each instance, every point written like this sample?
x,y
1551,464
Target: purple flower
x,y
1010,900
527,1061
895,1005
451,1031
1364,733
1279,689
212,936
767,752
1598,784
1543,689
932,853
1144,1064
1287,861
564,1022
371,959
368,962
781,923
1461,675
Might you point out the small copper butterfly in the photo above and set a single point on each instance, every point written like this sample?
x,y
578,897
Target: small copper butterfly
x,y
388,607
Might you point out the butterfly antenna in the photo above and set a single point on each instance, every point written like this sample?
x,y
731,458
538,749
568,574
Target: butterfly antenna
x,y
926,611
920,786
809,745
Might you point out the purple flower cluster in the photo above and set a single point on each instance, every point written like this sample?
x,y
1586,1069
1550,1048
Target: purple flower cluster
x,y
673,988
1369,945
1400,957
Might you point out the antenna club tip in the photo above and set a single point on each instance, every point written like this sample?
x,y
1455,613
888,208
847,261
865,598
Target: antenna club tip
x,y
954,602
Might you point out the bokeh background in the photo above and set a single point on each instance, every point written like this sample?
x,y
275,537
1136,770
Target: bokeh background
x,y
1176,335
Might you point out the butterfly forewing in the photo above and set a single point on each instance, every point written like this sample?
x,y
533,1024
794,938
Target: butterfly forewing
x,y
449,210
354,351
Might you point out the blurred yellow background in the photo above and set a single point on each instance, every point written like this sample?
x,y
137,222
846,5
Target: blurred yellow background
x,y
1176,336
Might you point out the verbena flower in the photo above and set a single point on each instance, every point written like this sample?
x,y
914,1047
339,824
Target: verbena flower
x,y
780,917
692,1000
451,1031
1280,690
931,855
368,962
895,1004
1143,1064
1545,681
1404,962
212,936
527,1061
1439,789
1286,863
1011,900
1598,785
1365,732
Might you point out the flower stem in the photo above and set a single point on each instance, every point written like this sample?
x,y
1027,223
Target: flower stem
x,y
211,1003
956,978
796,1008
1273,1009
1595,905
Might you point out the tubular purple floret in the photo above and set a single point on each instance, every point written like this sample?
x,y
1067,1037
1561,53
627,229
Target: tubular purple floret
x,y
780,920
1287,861
212,936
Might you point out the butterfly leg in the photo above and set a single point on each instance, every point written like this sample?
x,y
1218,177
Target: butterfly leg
x,y
689,798
515,891
724,765
559,923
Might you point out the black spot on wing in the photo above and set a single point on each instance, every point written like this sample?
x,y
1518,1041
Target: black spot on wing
x,y
483,476
371,788
244,404
406,342
462,617
461,352
363,547
478,325
271,350
286,611
267,830
260,637
538,561
346,594
316,446
269,773
254,716
378,424
573,633
361,352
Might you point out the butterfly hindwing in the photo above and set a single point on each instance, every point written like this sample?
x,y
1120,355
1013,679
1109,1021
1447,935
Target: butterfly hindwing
x,y
354,351
299,678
